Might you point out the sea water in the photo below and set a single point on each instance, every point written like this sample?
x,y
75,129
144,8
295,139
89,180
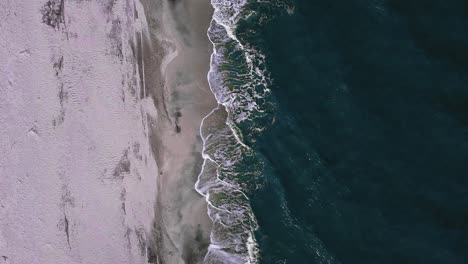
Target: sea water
x,y
346,132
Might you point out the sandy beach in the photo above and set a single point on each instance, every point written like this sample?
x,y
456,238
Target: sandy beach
x,y
100,150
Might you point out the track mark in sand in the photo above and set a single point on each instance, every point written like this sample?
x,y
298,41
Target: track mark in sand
x,y
178,115
123,197
64,226
67,231
62,94
58,65
67,201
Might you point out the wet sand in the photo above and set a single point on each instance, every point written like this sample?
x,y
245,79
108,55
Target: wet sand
x,y
176,77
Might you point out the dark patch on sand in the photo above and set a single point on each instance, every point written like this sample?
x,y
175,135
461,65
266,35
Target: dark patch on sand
x,y
122,167
173,2
136,151
195,247
53,13
178,129
58,65
67,198
160,245
140,233
108,5
132,82
127,236
62,95
152,257
116,40
59,119
177,115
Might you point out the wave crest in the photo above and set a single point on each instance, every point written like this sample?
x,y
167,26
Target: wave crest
x,y
232,169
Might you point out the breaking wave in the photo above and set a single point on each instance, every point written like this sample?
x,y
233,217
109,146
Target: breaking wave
x,y
232,169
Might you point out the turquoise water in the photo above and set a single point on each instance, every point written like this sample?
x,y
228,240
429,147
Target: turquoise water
x,y
348,131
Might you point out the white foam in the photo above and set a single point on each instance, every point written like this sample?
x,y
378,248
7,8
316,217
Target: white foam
x,y
224,246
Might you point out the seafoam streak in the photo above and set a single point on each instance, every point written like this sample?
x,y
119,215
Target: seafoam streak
x,y
231,168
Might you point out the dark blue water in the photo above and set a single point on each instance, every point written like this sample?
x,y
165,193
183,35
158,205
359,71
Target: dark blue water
x,y
367,160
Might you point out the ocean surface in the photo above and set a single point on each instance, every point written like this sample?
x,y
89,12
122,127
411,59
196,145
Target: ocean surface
x,y
347,136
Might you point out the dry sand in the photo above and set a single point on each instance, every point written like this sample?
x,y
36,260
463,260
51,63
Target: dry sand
x,y
78,176
177,80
